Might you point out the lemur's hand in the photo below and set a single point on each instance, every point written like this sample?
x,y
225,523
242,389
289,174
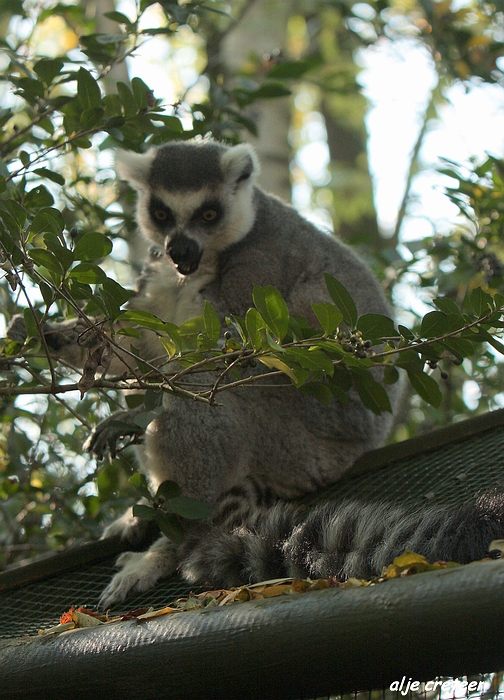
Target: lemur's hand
x,y
106,435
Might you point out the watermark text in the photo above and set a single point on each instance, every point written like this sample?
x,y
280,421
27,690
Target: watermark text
x,y
452,685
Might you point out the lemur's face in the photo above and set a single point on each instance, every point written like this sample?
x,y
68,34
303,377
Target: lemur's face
x,y
193,198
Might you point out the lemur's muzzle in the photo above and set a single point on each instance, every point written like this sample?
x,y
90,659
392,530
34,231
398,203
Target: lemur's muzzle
x,y
185,253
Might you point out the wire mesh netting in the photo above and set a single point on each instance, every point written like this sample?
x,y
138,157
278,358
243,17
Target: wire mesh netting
x,y
26,610
449,473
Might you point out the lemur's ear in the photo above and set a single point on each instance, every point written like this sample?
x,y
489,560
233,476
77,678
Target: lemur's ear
x,y
240,163
134,167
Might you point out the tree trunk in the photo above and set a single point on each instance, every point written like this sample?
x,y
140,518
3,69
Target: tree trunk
x,y
262,31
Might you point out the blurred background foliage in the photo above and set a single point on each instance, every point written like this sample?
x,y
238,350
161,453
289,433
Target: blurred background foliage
x,y
278,74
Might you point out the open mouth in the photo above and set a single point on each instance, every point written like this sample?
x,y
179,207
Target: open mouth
x,y
185,254
186,268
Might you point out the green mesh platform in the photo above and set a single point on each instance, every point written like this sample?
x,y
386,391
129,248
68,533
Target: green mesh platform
x,y
38,606
447,466
467,462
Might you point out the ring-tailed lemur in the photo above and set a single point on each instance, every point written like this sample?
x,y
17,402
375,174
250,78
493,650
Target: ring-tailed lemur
x,y
220,235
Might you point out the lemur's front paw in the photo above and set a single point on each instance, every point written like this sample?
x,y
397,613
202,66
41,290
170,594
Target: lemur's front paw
x,y
140,572
106,435
16,330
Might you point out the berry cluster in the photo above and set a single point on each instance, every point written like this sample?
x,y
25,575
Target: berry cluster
x,y
354,343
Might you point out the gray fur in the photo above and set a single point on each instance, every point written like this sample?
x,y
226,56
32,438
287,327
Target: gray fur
x,y
187,166
351,539
261,443
222,235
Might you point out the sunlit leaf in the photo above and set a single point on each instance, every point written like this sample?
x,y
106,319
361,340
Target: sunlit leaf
x,y
91,246
342,299
212,323
88,90
273,309
328,316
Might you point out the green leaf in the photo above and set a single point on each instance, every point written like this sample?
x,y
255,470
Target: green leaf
x,y
212,323
426,387
143,420
141,93
130,333
448,306
168,490
118,17
134,400
47,294
375,327
170,123
371,393
406,333
312,359
320,391
496,344
17,212
143,319
434,324
342,378
31,326
143,512
48,68
139,481
272,307
50,175
273,362
169,526
390,374
294,69
172,344
328,316
108,481
114,296
410,361
270,89
46,259
63,255
480,302
342,299
38,197
88,90
127,99
254,322
189,508
81,143
87,273
153,399
339,394
460,347
499,300
92,246
47,220
437,323
90,118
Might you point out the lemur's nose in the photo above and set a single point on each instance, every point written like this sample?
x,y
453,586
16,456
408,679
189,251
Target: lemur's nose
x,y
185,253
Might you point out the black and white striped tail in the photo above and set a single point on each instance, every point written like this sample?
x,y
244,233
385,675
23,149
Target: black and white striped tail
x,y
344,540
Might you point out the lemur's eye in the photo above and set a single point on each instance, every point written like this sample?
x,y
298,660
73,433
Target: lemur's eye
x,y
160,214
209,215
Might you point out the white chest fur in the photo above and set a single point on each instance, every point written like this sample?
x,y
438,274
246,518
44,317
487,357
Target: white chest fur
x,y
172,297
